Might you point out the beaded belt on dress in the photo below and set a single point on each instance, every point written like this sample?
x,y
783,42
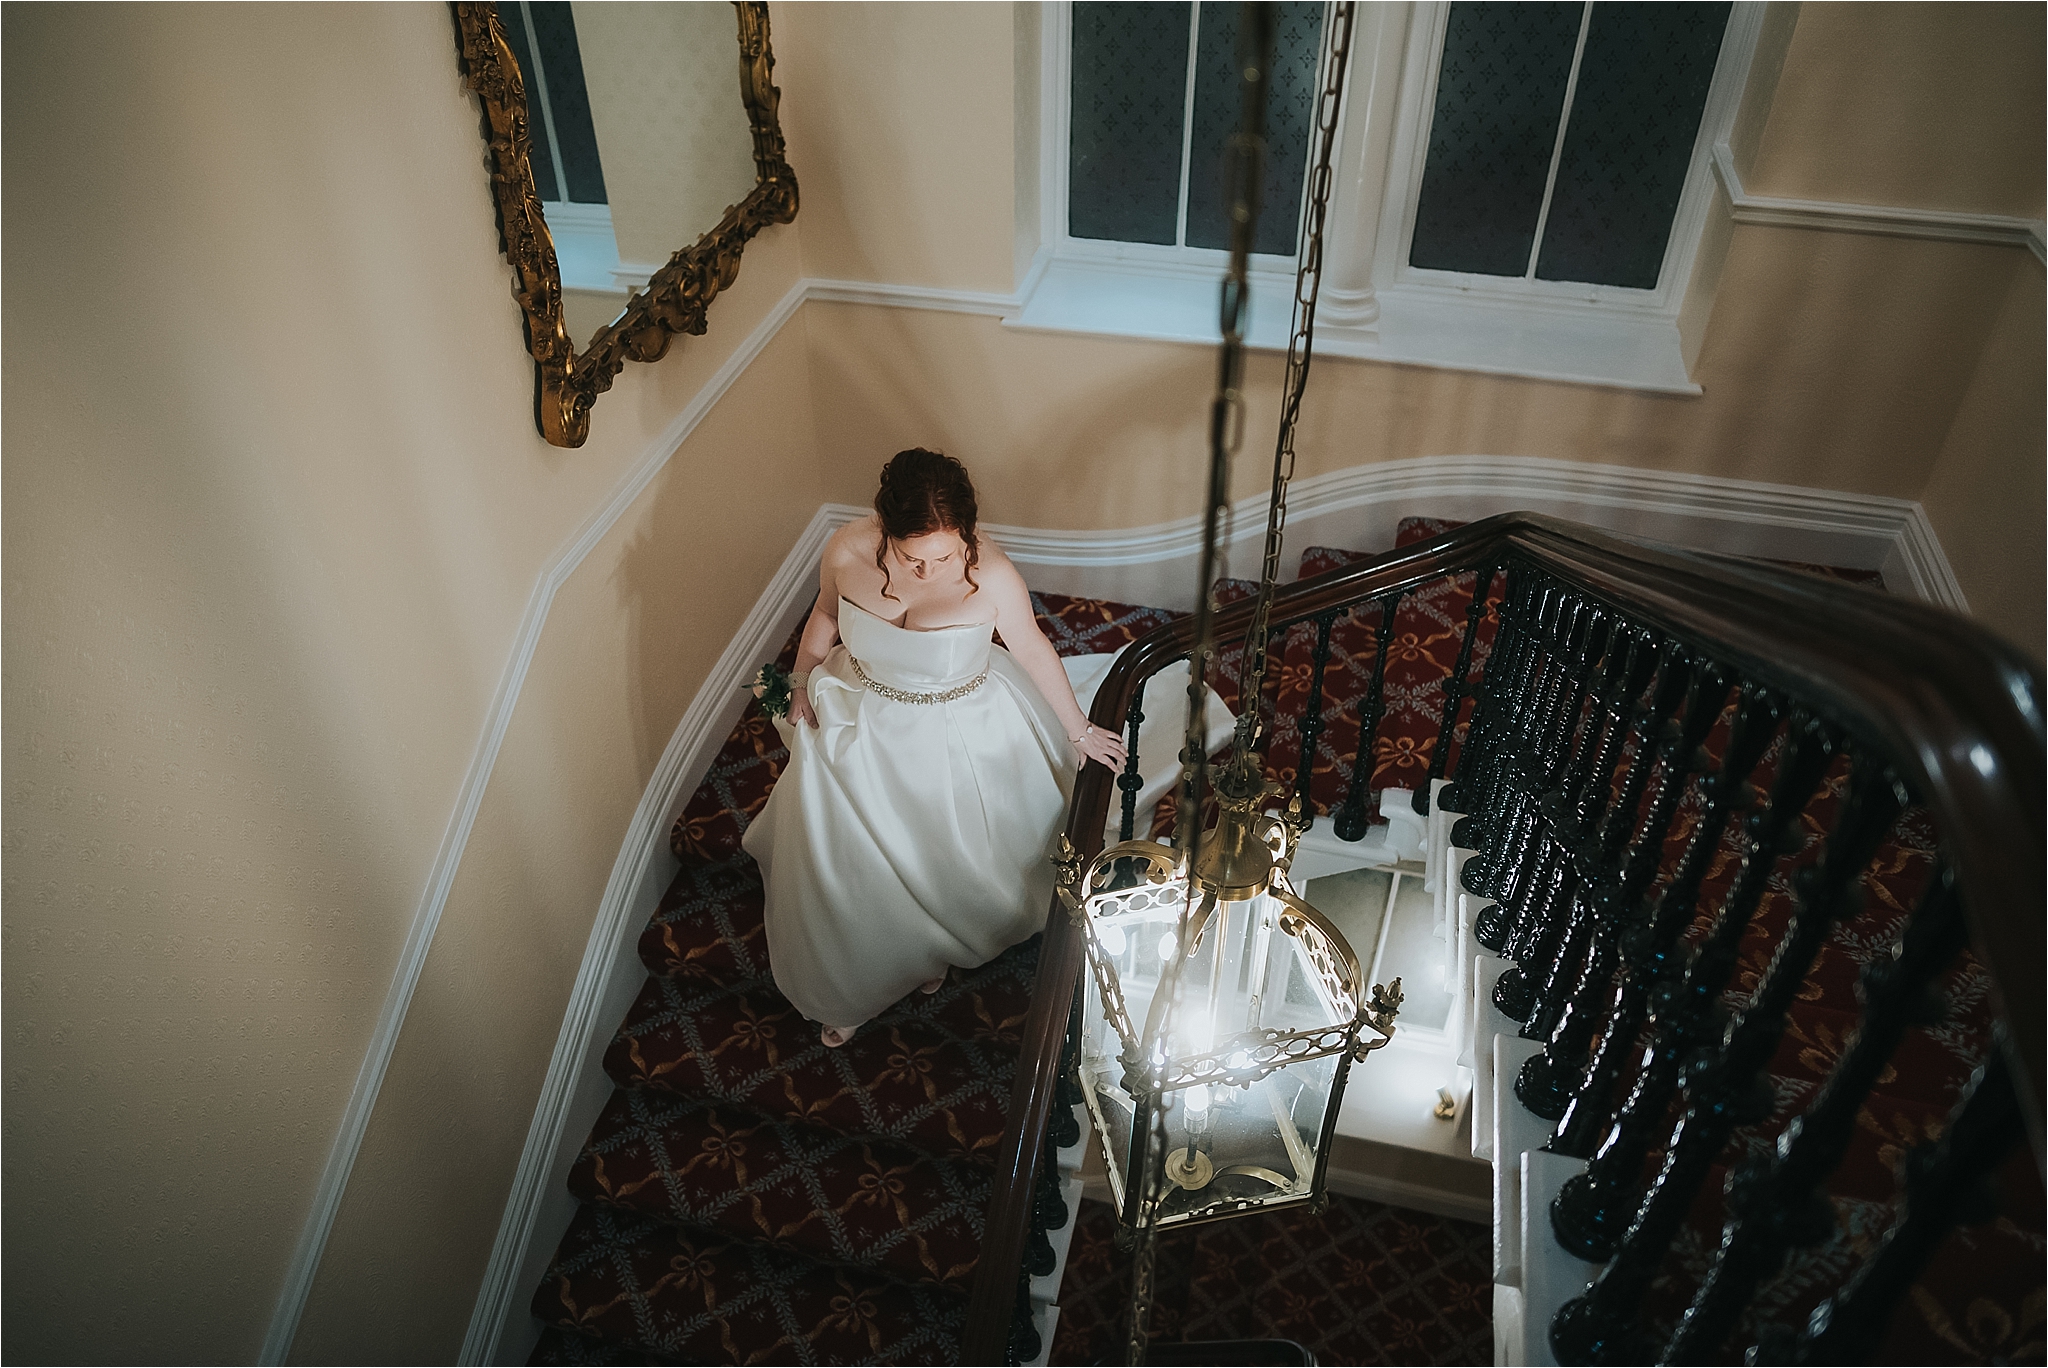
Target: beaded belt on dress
x,y
906,696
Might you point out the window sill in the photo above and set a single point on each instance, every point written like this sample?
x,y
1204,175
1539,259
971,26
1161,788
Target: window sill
x,y
1416,326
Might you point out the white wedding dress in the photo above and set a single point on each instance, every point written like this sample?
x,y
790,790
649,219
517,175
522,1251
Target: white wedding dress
x,y
912,829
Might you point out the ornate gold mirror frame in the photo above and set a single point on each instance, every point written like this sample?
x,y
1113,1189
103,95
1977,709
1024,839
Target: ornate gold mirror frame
x,y
678,295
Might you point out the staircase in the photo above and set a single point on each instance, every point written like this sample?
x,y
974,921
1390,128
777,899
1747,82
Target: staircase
x,y
1738,882
750,1196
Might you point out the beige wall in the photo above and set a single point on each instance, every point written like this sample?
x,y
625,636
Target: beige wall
x,y
1987,489
274,505
1930,106
900,125
627,643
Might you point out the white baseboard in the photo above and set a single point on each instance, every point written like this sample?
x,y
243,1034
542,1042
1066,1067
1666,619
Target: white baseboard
x,y
539,1207
1360,507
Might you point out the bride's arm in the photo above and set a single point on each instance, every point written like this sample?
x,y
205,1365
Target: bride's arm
x,y
821,634
1028,646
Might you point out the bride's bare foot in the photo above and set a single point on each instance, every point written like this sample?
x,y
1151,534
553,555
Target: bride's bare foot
x,y
835,1036
932,985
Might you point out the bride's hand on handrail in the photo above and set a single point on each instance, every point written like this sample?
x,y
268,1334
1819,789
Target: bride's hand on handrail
x,y
1106,748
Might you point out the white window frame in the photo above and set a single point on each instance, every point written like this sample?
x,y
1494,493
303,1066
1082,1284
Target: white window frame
x,y
1206,261
1132,289
1724,93
1375,305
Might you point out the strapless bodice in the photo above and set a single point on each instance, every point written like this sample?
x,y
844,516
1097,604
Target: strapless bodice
x,y
911,660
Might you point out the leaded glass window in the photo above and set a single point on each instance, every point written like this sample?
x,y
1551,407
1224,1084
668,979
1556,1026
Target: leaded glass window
x,y
1152,101
1560,138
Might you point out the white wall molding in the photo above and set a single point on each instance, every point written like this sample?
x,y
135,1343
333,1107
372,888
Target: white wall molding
x,y
1361,506
1943,225
575,1088
312,1243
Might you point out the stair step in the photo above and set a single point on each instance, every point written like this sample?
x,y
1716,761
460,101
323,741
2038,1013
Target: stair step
x,y
732,792
637,1282
709,925
812,1191
933,1071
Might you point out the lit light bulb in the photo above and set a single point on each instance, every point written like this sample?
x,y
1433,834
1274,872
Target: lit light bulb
x,y
1198,1099
1113,939
1240,1060
1168,943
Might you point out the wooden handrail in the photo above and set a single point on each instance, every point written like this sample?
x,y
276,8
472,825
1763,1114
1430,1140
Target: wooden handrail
x,y
1957,712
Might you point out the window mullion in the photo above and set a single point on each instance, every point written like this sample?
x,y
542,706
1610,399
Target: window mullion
x,y
547,106
1187,127
1564,119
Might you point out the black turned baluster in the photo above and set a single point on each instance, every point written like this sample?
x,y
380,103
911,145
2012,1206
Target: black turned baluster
x,y
1510,866
1456,690
1540,940
1650,953
1493,927
1644,655
1562,811
1130,781
1049,1205
1775,1200
1541,929
1351,824
1545,1081
1945,1186
1312,719
1496,678
1593,1210
1510,676
1726,1087
1533,758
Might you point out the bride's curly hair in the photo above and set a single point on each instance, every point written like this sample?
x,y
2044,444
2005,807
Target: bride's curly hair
x,y
925,491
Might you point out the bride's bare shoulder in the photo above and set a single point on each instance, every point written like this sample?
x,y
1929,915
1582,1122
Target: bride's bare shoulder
x,y
996,568
855,543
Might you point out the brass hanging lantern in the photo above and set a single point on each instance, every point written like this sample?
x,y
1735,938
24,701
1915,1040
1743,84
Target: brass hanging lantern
x,y
1222,1012
1231,1030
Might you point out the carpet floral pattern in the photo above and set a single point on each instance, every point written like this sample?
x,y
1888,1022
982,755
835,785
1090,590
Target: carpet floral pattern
x,y
749,1196
1362,1283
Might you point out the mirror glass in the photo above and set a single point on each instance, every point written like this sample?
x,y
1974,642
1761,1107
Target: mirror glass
x,y
640,139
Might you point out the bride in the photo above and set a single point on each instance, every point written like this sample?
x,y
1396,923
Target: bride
x,y
929,767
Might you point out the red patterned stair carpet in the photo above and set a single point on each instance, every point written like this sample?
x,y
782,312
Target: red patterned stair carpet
x,y
1362,1283
749,1196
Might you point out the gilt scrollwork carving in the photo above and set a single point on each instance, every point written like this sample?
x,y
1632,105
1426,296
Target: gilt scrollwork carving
x,y
677,297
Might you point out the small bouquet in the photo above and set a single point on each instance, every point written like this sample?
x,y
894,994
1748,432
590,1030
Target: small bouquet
x,y
772,686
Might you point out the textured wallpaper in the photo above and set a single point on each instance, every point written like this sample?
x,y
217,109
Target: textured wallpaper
x,y
665,96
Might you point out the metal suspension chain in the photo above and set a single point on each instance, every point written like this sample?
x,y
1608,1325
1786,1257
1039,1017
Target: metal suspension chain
x,y
1244,175
1308,282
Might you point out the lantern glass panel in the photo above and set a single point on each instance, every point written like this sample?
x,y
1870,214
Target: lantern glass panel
x,y
1247,1116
